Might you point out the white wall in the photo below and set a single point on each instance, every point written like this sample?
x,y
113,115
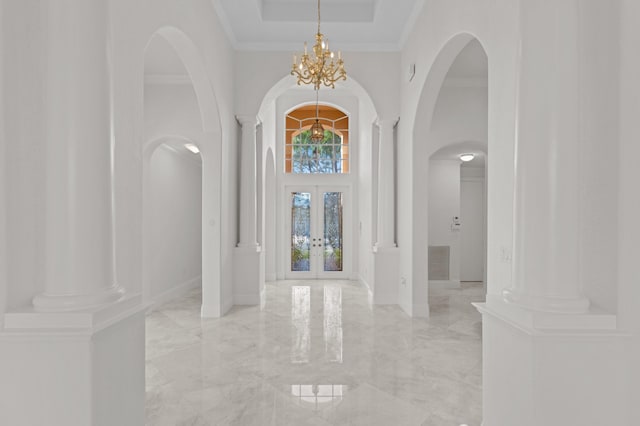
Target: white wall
x,y
175,215
170,109
444,204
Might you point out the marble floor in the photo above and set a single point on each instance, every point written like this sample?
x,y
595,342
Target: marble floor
x,y
316,353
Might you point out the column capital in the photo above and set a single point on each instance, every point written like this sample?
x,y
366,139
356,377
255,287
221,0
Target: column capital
x,y
386,122
248,120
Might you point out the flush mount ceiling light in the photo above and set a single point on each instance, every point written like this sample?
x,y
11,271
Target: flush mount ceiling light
x,y
317,131
321,68
467,157
191,147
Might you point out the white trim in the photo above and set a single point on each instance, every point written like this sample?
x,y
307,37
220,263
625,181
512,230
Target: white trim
x,y
246,299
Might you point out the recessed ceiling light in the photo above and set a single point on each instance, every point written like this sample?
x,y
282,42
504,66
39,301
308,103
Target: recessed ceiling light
x,y
467,157
191,147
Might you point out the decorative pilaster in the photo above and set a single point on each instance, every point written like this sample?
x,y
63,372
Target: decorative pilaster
x,y
547,209
79,245
248,259
386,254
386,186
248,179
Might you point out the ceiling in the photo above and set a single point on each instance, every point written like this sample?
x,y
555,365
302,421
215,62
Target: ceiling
x,y
350,25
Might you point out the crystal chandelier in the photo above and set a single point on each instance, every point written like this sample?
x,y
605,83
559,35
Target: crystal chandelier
x,y
317,131
322,68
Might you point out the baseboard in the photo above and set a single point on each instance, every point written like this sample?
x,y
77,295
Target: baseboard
x,y
176,292
226,306
246,299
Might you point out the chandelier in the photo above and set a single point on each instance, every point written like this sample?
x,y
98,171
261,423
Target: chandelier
x,y
322,68
317,131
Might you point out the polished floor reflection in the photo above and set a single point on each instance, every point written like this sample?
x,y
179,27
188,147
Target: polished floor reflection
x,y
316,353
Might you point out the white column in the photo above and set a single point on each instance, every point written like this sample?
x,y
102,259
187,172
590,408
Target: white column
x,y
547,202
79,246
248,193
386,199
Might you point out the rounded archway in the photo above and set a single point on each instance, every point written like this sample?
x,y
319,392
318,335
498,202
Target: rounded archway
x,y
181,113
452,110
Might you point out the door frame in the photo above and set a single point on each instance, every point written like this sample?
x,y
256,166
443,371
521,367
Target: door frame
x,y
347,249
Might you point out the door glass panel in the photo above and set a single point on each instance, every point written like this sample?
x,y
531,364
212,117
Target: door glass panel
x,y
333,231
300,231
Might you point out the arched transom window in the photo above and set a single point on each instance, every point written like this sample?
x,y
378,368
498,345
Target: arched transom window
x,y
329,155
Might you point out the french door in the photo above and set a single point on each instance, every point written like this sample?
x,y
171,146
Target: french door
x,y
318,244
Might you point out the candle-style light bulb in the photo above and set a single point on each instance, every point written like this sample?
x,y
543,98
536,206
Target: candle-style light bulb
x,y
305,47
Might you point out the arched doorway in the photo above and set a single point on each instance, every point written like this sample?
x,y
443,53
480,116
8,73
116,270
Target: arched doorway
x,y
284,97
454,108
456,190
180,112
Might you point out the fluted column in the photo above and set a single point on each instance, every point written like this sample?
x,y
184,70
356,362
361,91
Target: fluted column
x,y
79,246
248,193
386,188
547,204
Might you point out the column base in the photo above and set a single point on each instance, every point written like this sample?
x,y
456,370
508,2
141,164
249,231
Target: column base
x,y
559,369
547,304
386,263
248,273
74,368
60,303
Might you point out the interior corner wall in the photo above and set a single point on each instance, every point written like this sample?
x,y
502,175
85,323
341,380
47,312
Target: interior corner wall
x,y
444,204
175,210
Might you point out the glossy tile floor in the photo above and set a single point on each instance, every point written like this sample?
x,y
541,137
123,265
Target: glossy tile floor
x,y
317,354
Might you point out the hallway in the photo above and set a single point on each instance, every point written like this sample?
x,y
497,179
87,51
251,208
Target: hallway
x,y
316,353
